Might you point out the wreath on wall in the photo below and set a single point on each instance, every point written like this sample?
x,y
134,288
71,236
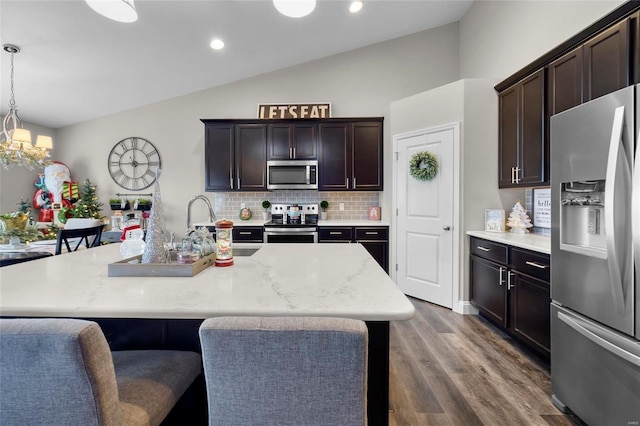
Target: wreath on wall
x,y
423,165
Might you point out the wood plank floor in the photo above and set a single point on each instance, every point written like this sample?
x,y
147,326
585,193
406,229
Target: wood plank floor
x,y
452,369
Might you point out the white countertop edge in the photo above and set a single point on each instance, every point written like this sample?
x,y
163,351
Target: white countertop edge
x,y
202,315
535,242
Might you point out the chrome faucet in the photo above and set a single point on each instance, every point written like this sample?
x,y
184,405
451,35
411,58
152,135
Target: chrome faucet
x,y
212,215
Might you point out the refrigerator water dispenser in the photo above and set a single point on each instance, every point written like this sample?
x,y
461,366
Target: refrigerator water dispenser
x,y
582,218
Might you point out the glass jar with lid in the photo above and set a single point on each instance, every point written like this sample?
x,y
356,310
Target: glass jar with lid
x,y
224,242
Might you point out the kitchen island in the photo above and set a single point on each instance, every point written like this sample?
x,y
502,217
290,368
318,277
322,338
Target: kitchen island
x,y
337,280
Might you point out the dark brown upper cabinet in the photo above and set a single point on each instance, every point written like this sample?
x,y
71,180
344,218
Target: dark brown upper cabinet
x,y
335,156
235,157
288,141
523,147
349,151
634,26
606,61
351,155
565,82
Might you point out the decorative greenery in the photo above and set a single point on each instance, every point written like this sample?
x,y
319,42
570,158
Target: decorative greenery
x,y
88,206
26,235
144,201
324,205
24,206
423,165
266,204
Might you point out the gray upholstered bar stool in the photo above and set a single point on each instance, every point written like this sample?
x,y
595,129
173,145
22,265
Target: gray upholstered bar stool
x,y
285,371
62,372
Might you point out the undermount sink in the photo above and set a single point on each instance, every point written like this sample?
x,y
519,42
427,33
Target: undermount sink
x,y
237,252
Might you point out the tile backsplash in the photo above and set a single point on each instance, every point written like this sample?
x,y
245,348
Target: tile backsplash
x,y
356,204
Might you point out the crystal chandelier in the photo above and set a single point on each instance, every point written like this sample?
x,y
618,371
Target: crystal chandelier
x,y
15,141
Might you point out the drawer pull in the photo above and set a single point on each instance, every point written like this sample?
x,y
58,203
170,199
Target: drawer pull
x,y
483,248
245,233
371,233
335,233
536,264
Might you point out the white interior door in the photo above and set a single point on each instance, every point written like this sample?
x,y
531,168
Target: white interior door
x,y
425,217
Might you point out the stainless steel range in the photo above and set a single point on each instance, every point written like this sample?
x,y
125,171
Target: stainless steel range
x,y
295,223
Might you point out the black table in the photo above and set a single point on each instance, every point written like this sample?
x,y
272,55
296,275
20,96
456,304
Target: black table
x,y
13,257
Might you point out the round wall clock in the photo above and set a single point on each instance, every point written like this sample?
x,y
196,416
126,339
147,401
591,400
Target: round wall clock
x,y
133,163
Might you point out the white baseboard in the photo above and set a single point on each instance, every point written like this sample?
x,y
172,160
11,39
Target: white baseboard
x,y
464,307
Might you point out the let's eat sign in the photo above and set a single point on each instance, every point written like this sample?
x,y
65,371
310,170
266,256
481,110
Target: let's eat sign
x,y
319,110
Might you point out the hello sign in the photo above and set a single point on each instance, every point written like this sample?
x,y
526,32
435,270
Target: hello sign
x,y
318,110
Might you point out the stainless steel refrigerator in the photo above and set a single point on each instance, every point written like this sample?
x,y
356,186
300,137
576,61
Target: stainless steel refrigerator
x,y
595,259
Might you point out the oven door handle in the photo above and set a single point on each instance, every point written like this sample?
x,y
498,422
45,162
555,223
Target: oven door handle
x,y
305,233
292,231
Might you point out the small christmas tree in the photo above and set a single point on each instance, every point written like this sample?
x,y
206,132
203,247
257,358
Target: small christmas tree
x,y
88,205
518,220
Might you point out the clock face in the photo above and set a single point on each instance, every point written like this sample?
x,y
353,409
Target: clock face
x,y
133,163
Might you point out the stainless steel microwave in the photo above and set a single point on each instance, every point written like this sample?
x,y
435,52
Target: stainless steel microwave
x,y
292,174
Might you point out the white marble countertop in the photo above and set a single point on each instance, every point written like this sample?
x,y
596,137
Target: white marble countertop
x,y
536,242
338,280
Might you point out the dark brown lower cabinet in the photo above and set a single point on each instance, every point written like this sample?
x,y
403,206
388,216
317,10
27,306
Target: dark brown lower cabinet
x,y
374,239
530,311
510,287
488,292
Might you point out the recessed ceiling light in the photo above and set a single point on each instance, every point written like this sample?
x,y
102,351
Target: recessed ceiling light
x,y
118,10
295,8
216,44
356,6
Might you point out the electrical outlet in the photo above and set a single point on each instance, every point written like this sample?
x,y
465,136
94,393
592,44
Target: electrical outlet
x,y
243,205
341,206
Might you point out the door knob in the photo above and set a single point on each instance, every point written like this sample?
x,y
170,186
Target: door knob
x,y
446,228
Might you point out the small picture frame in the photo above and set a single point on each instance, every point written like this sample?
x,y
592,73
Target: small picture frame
x,y
542,208
494,220
374,213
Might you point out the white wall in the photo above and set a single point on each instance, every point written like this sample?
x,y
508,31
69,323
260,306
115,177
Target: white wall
x,y
359,83
471,102
17,182
497,38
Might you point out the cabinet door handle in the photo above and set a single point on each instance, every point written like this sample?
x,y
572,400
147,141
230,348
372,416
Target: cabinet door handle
x,y
294,152
238,183
230,182
483,248
536,264
512,174
509,285
501,272
517,179
346,180
291,153
354,183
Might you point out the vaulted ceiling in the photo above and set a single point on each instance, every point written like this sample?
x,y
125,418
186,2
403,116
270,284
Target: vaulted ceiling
x,y
76,65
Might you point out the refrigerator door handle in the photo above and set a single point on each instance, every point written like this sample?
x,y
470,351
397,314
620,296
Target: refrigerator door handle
x,y
615,273
635,210
589,332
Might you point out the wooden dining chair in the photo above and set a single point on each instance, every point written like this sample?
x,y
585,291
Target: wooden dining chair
x,y
76,237
59,371
299,371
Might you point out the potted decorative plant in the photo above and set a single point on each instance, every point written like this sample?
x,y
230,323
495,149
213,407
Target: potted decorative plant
x,y
324,205
143,204
119,204
266,205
